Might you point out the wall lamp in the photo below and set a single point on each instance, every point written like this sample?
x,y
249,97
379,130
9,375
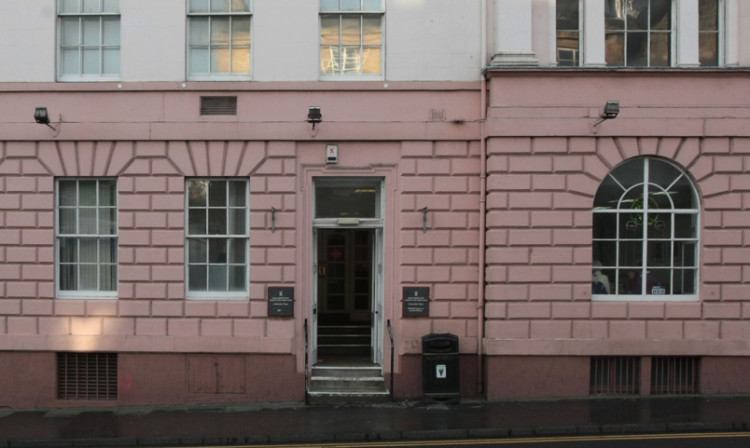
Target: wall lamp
x,y
314,116
610,111
41,116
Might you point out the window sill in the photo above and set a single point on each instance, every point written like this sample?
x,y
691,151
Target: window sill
x,y
218,296
324,77
94,295
218,77
110,78
644,298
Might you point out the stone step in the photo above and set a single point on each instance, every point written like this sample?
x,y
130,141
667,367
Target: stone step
x,y
344,350
342,398
347,384
343,329
346,372
344,339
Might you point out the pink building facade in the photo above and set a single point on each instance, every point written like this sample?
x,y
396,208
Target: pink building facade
x,y
545,330
169,239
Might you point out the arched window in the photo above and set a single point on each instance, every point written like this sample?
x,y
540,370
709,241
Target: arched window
x,y
645,229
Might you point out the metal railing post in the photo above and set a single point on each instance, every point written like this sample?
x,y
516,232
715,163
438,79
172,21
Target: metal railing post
x,y
390,335
307,363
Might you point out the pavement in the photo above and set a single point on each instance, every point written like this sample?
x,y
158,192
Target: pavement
x,y
260,424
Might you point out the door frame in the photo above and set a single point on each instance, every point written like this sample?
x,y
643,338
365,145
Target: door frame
x,y
377,305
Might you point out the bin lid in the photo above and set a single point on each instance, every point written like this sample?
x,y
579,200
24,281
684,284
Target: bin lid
x,y
439,343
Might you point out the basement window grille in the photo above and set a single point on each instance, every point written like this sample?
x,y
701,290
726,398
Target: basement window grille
x,y
87,376
675,375
615,375
218,105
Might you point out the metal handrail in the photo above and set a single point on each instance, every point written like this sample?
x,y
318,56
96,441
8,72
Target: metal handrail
x,y
390,335
307,363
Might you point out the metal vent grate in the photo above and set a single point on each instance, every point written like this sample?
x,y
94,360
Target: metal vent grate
x,y
615,375
87,376
218,105
675,375
437,114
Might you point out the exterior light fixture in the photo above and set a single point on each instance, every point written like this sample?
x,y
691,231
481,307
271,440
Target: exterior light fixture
x,y
314,116
610,111
41,116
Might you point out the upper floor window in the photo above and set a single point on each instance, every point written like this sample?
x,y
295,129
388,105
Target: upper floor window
x,y
645,233
709,43
568,14
351,37
87,238
638,33
89,36
219,38
217,238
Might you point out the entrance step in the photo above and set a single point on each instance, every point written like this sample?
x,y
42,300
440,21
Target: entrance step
x,y
347,385
344,340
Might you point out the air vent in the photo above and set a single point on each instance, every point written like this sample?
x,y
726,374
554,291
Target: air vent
x,y
437,114
612,375
675,375
87,376
218,105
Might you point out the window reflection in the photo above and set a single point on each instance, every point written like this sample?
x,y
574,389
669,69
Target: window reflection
x,y
219,37
645,230
568,32
638,32
89,35
217,235
351,43
87,235
708,44
343,198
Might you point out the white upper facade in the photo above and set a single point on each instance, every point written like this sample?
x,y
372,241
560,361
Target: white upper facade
x,y
322,40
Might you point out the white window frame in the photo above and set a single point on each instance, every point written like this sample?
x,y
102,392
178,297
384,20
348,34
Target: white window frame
x,y
673,36
644,269
85,294
361,13
101,47
218,76
208,294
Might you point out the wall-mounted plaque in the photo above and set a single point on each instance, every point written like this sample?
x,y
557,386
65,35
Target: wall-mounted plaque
x,y
416,301
280,301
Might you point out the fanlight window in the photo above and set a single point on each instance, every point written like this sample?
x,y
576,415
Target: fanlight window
x,y
645,233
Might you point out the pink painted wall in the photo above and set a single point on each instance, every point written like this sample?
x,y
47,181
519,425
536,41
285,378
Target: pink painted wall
x,y
545,163
27,380
152,313
152,140
521,377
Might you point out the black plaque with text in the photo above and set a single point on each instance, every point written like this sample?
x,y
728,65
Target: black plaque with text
x,y
416,302
280,301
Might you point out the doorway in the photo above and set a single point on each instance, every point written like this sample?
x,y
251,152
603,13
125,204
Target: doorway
x,y
345,291
347,312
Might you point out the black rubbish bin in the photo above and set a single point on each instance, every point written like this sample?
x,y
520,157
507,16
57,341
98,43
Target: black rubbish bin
x,y
440,379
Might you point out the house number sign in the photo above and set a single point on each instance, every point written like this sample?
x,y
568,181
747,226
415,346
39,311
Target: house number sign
x,y
280,301
416,302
